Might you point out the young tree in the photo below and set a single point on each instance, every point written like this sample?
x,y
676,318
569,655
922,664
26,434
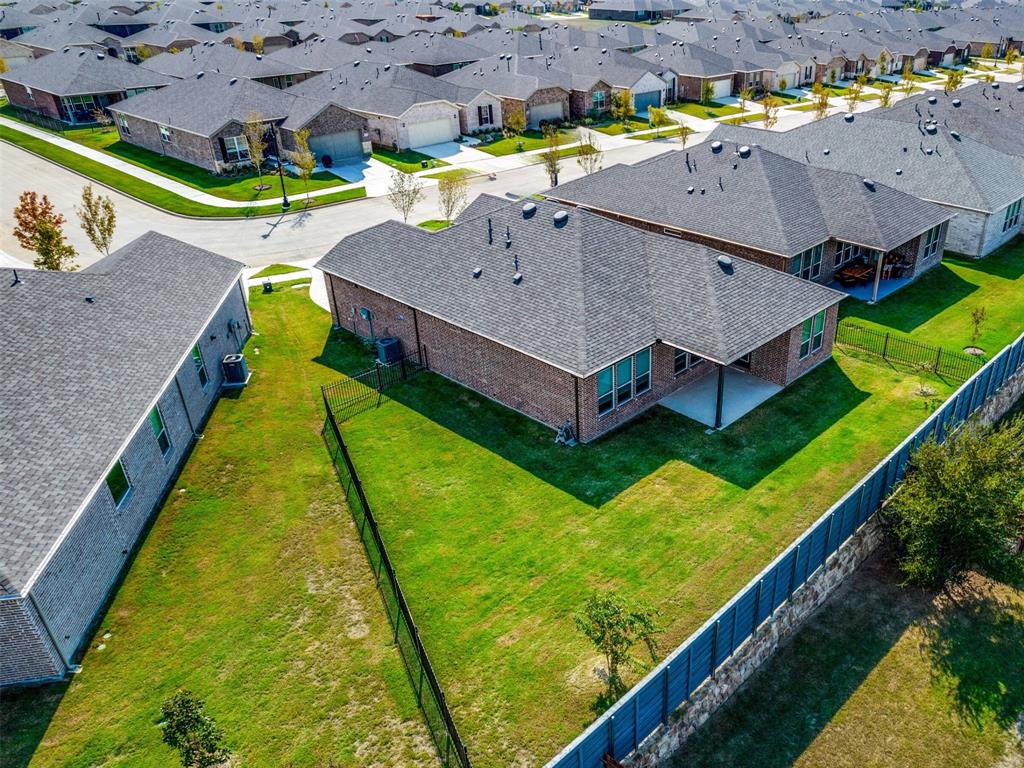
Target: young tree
x,y
819,98
3,65
885,94
188,729
1012,54
771,105
551,156
987,51
745,95
907,77
614,625
783,84
32,209
832,76
173,51
622,106
853,93
51,250
515,123
98,219
239,43
707,92
954,79
255,131
102,119
685,132
961,507
404,192
452,195
978,317
883,64
144,52
589,154
659,119
257,44
303,159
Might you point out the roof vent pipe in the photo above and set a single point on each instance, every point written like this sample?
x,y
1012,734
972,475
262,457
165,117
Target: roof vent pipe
x,y
561,218
716,146
529,209
744,151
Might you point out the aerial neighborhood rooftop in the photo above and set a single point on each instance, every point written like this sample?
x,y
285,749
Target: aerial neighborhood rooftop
x,y
511,383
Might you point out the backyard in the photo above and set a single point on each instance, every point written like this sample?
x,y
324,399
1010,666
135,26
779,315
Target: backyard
x,y
251,590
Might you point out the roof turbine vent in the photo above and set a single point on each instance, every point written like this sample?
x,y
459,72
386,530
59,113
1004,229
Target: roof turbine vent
x,y
848,117
869,184
716,146
561,218
956,102
725,262
529,209
932,100
744,151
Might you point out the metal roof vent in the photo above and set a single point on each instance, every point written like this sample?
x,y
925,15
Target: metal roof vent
x,y
995,86
716,146
517,278
725,262
1020,87
529,209
929,151
955,135
232,81
826,151
997,109
869,184
689,190
100,56
259,57
561,218
848,117
931,127
932,100
956,102
199,74
899,171
478,271
744,151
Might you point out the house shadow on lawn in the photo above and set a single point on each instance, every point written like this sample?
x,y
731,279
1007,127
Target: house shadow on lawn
x,y
30,709
743,454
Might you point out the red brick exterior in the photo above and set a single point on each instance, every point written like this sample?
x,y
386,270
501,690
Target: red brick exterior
x,y
581,103
42,102
779,361
689,87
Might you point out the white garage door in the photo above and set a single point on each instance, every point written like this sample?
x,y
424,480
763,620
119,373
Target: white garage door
x,y
340,146
431,132
547,112
947,59
722,88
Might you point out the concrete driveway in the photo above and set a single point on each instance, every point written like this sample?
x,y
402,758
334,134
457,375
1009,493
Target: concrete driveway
x,y
454,153
373,174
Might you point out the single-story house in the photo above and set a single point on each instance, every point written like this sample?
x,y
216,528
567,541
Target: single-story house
x,y
692,66
227,60
767,208
14,54
572,318
434,55
50,37
142,336
200,120
161,38
71,84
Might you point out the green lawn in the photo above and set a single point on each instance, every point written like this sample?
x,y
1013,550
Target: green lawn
x,y
454,173
788,98
530,140
151,193
407,161
707,111
617,127
278,269
883,677
744,119
434,224
937,308
802,108
251,589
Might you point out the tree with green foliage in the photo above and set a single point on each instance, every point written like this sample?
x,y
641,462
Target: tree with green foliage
x,y
771,106
883,63
143,52
987,50
452,195
52,252
954,79
707,92
614,625
98,219
303,159
515,123
885,94
1012,54
854,91
622,106
907,77
819,98
783,84
832,76
961,508
552,156
188,729
404,192
254,129
685,132
3,66
745,95
659,118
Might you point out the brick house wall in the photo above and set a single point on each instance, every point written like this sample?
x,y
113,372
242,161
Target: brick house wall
x,y
779,361
189,147
76,583
28,653
469,120
994,236
391,132
581,103
547,96
689,87
40,101
332,119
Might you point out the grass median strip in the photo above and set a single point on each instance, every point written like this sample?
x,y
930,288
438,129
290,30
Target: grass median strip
x,y
278,269
150,193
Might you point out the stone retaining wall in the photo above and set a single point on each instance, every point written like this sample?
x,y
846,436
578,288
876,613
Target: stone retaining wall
x,y
1002,401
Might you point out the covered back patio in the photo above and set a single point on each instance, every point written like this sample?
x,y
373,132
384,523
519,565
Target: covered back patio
x,y
871,275
722,397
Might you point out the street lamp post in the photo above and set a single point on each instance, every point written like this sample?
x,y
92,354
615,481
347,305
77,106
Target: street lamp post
x,y
285,205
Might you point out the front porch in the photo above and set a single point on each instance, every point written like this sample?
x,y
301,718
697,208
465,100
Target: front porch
x,y
719,399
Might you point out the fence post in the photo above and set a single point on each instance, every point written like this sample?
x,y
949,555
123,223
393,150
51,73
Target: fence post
x,y
757,606
885,347
714,649
938,357
664,694
380,380
401,362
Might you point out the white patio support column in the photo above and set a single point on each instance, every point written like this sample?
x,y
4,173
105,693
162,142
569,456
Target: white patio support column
x,y
878,277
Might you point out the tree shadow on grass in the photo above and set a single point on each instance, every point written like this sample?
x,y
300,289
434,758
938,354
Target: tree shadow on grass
x,y
25,714
597,472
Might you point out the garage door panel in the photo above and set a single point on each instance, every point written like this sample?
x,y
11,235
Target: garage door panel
x,y
549,112
644,101
721,88
340,146
431,132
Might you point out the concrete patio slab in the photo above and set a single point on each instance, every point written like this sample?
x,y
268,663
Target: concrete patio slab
x,y
743,393
863,292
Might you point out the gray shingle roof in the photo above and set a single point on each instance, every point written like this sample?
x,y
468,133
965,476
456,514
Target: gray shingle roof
x,y
80,71
76,377
592,290
764,201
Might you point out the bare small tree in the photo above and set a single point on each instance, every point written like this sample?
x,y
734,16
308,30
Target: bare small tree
x,y
771,106
255,131
404,192
589,154
552,156
103,120
303,159
685,132
98,219
978,317
452,195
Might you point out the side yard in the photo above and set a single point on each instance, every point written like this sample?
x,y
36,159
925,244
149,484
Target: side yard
x,y
251,589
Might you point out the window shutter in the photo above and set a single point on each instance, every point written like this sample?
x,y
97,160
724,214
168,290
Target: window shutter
x,y
223,148
490,113
480,115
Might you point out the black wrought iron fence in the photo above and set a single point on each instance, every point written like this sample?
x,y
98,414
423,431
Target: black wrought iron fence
x,y
947,363
363,390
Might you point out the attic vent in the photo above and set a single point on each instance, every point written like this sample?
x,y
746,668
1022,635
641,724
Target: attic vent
x,y
478,271
100,56
869,184
517,278
232,81
931,128
997,109
561,218
848,117
956,102
689,190
529,209
995,86
899,171
932,100
387,67
744,151
826,151
355,63
724,262
955,135
929,151
199,74
1020,87
716,146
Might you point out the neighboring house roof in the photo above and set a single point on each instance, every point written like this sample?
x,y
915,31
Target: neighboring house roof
x,y
78,376
953,170
689,60
215,57
434,50
592,290
506,75
318,54
167,33
10,50
78,71
761,200
54,36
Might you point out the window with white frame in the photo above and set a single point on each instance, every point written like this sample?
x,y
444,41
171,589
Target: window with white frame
x,y
931,241
1012,218
846,252
485,114
197,359
165,134
618,384
807,264
236,149
118,483
812,334
684,361
156,421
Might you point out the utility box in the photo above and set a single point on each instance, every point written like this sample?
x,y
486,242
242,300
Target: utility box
x,y
389,350
236,371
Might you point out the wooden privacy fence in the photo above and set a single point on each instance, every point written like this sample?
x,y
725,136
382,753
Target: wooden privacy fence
x,y
648,704
943,362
